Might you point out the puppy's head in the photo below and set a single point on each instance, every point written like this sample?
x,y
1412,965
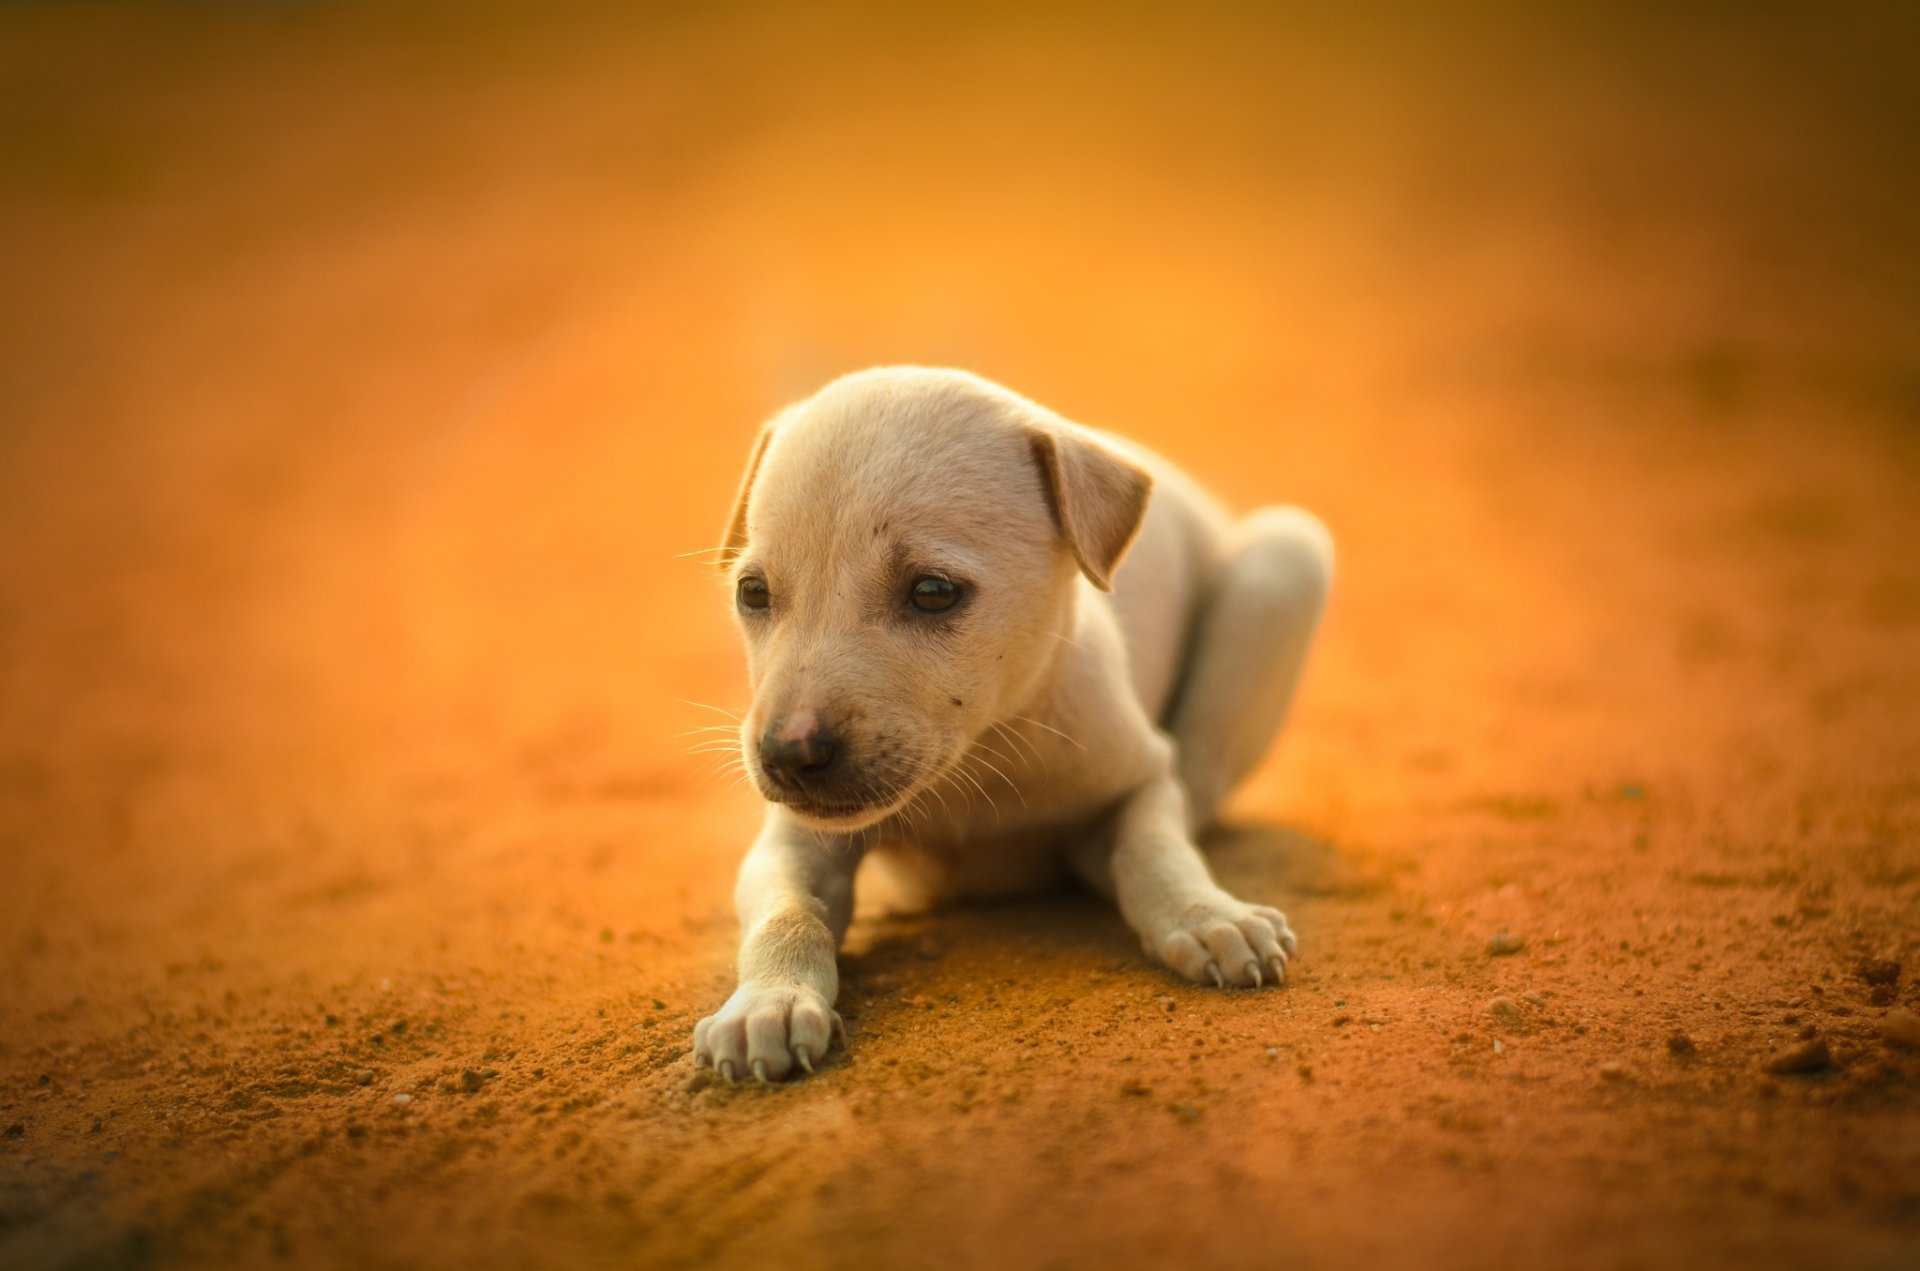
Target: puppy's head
x,y
902,558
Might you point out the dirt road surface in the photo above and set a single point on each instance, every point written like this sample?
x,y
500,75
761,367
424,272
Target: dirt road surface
x,y
367,371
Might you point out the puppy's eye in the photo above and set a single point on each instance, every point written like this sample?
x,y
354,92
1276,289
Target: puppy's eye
x,y
933,595
752,593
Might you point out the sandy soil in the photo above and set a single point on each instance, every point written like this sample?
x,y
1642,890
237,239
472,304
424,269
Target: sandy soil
x,y
367,372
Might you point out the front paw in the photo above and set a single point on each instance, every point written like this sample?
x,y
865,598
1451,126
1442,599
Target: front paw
x,y
767,1031
1224,941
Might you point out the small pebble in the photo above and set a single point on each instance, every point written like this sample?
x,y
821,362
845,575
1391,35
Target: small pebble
x,y
1135,1089
1503,1008
1613,1070
470,1080
364,1077
403,1098
1534,999
1680,1044
1878,970
1808,1056
1901,1027
1505,944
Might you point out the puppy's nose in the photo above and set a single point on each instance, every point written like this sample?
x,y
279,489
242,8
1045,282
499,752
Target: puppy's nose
x,y
797,762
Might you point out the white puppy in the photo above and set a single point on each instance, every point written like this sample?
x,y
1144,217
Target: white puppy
x,y
949,667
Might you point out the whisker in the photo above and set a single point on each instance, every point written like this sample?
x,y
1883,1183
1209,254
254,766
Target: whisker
x,y
1009,780
703,706
1001,755
1016,741
975,783
1027,719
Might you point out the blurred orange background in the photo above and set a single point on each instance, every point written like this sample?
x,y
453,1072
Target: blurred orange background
x,y
369,373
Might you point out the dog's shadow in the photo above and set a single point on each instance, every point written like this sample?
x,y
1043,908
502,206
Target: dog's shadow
x,y
922,953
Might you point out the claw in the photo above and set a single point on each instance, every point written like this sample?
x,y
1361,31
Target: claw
x,y
726,1072
702,1060
839,1027
800,1054
1289,942
760,1071
1253,969
1219,981
1279,961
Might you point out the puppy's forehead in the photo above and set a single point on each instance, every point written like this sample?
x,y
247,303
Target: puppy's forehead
x,y
902,470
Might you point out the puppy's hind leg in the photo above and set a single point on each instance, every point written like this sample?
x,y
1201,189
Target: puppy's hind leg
x,y
1248,651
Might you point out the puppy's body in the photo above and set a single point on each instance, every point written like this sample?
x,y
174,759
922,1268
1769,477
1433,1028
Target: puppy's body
x,y
1049,713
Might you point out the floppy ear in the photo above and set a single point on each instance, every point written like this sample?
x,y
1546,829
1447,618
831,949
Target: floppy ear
x,y
1097,498
735,540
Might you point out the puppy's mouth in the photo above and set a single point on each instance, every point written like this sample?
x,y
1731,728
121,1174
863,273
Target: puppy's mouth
x,y
827,814
839,816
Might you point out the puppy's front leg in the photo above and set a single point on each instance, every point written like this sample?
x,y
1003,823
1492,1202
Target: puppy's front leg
x,y
795,898
1182,916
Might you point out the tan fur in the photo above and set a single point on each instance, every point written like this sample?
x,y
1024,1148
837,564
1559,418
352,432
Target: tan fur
x,y
1039,726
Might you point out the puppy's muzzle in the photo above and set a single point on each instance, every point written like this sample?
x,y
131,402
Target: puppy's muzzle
x,y
823,773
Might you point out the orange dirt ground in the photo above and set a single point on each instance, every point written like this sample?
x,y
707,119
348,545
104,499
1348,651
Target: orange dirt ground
x,y
368,370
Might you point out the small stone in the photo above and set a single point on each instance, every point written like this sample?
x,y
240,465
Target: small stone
x,y
1342,1020
698,1081
1503,1008
1901,1027
1305,1071
1134,1089
403,1098
1534,999
17,1130
1878,970
489,1073
1505,944
1880,995
1613,1070
471,1080
1680,1044
364,1077
1808,1056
